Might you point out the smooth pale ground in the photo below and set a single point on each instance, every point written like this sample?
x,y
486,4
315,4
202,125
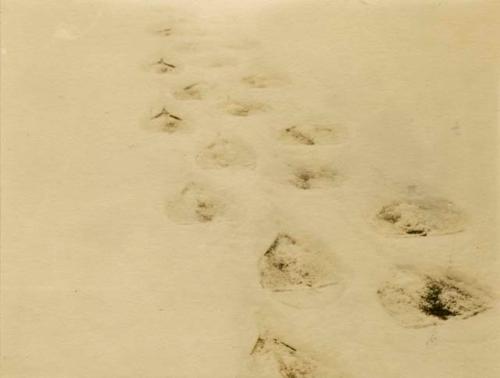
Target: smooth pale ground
x,y
97,282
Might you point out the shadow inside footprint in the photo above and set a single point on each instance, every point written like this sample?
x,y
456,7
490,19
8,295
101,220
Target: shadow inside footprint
x,y
224,153
443,298
289,265
420,300
195,204
421,217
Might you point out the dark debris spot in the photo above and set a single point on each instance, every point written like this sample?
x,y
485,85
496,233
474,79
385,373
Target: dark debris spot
x,y
433,302
416,232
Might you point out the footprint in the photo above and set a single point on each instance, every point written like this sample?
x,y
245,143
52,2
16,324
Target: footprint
x,y
166,121
194,91
162,66
307,170
289,264
307,178
164,32
310,135
195,204
417,300
224,153
420,217
275,357
262,81
243,108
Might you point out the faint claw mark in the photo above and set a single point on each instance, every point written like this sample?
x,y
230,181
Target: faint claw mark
x,y
283,358
162,66
191,92
299,136
243,109
310,135
164,32
262,81
166,121
165,112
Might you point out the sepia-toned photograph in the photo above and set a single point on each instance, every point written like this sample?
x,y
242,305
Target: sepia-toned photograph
x,y
250,189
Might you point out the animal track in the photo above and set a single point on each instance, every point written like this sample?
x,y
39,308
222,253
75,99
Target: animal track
x,y
420,217
195,204
310,135
193,91
162,66
166,121
283,358
419,300
164,32
223,153
289,264
262,81
243,109
313,178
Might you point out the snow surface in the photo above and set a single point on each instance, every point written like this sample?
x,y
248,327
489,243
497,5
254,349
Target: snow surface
x,y
154,152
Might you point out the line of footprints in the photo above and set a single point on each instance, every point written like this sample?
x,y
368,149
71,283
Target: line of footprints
x,y
293,265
